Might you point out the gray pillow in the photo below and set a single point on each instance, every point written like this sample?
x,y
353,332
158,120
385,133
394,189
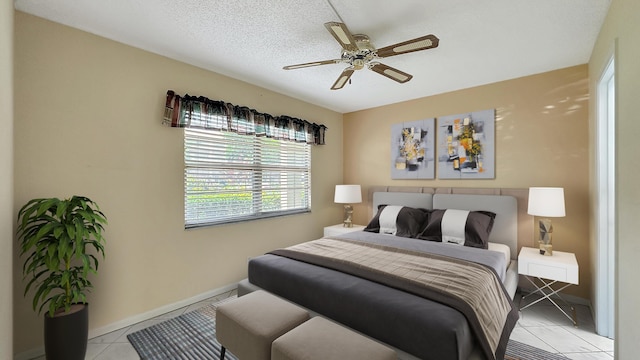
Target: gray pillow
x,y
398,220
462,227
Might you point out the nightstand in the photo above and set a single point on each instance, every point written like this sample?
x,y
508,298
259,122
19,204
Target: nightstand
x,y
548,270
336,230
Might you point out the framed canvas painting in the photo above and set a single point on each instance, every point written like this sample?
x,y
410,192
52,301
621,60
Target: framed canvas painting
x,y
413,150
466,145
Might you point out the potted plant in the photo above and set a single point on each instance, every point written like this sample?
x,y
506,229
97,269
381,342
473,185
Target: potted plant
x,y
60,239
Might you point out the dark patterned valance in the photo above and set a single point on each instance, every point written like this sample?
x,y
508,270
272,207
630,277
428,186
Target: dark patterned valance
x,y
200,112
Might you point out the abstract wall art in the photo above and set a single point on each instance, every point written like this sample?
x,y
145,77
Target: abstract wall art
x,y
413,150
466,145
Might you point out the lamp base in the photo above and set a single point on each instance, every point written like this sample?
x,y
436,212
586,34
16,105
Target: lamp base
x,y
546,249
348,215
546,230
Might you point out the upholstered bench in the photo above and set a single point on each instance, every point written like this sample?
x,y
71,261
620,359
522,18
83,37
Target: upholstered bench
x,y
248,325
321,339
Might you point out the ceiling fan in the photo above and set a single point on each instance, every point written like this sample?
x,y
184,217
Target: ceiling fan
x,y
358,52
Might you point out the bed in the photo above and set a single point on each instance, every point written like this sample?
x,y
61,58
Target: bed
x,y
418,323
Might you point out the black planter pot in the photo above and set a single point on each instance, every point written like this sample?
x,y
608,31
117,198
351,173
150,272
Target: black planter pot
x,y
66,334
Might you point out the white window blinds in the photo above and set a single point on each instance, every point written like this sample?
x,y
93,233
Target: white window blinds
x,y
230,177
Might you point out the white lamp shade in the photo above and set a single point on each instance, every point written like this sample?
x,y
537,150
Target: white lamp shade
x,y
546,201
348,194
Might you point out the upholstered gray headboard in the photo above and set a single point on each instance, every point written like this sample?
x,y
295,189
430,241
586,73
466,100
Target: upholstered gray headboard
x,y
513,226
414,200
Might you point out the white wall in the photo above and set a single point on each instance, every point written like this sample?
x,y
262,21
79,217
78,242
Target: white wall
x,y
6,179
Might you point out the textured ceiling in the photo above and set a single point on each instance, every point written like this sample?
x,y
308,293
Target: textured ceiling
x,y
481,41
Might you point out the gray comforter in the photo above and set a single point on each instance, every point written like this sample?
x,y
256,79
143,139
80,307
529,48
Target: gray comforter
x,y
423,327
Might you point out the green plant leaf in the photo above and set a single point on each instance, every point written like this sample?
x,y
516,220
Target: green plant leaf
x,y
57,232
44,230
46,205
64,247
62,208
26,212
43,290
64,279
87,265
51,250
51,312
71,230
33,280
83,201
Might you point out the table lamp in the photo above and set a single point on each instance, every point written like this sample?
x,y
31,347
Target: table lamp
x,y
347,195
546,202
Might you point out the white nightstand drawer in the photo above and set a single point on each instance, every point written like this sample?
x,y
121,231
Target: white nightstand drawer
x,y
561,266
548,272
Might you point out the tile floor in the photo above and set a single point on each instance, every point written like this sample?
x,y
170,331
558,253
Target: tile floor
x,y
541,325
544,327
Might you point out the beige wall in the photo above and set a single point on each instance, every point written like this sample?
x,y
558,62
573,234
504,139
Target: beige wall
x,y
6,178
541,140
622,25
88,113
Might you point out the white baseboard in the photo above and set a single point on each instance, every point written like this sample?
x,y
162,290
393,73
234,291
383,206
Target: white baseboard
x,y
36,352
158,311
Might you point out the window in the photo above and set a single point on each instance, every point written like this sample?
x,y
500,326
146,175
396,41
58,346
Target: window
x,y
230,177
241,164
605,203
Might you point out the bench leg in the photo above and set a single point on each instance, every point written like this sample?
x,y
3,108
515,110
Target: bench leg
x,y
222,352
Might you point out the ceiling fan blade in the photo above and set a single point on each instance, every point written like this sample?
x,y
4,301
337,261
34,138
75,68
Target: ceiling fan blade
x,y
391,73
343,35
309,64
421,43
342,80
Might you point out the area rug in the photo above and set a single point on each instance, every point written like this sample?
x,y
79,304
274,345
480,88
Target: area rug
x,y
519,351
192,336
